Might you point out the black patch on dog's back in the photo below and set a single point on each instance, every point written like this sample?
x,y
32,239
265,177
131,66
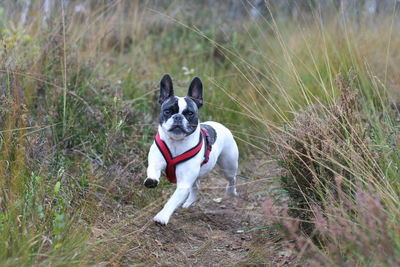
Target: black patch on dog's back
x,y
210,131
170,104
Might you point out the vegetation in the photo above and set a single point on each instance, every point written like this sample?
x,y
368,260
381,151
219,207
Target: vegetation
x,y
78,112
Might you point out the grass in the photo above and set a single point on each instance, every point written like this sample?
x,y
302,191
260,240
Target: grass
x,y
79,111
339,145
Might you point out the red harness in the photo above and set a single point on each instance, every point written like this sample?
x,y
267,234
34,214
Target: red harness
x,y
172,162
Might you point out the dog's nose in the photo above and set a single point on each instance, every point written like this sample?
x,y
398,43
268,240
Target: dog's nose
x,y
178,118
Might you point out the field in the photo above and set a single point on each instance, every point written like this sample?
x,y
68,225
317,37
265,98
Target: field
x,y
312,100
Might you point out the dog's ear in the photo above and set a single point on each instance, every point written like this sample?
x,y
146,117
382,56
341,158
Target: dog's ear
x,y
195,91
166,88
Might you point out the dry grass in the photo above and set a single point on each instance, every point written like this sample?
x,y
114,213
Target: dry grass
x,y
340,156
78,113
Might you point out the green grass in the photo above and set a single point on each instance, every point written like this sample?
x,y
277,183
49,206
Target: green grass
x,y
79,112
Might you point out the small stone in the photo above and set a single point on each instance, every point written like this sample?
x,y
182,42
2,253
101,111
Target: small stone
x,y
217,200
285,253
235,247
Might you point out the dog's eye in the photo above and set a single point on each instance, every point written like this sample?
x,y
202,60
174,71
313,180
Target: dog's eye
x,y
167,112
189,113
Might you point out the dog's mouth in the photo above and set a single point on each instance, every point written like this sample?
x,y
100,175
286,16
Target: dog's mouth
x,y
177,128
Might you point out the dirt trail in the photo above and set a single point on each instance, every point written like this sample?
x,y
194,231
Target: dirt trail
x,y
216,231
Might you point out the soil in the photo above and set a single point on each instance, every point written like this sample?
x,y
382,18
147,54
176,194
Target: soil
x,y
216,230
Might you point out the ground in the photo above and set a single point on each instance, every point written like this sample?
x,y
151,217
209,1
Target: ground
x,y
216,231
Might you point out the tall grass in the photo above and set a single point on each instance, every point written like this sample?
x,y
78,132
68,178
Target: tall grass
x,y
36,220
328,110
77,115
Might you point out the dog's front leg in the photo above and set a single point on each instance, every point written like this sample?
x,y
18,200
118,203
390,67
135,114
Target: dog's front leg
x,y
184,184
156,163
174,202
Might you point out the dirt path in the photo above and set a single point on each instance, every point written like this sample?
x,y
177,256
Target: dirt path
x,y
216,231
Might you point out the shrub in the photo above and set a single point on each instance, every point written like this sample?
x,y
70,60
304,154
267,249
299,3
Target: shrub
x,y
343,207
321,148
368,235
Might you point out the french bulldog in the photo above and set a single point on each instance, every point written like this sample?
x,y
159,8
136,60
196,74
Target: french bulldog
x,y
187,149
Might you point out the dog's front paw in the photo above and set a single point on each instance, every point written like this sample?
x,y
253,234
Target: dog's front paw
x,y
150,183
161,219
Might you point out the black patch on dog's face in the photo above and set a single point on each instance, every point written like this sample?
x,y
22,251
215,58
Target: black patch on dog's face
x,y
191,113
168,109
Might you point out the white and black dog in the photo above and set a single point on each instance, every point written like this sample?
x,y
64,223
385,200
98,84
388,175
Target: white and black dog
x,y
186,149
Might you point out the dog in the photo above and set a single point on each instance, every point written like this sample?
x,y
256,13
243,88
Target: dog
x,y
187,149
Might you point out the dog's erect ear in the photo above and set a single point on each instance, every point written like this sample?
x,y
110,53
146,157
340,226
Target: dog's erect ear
x,y
166,88
195,91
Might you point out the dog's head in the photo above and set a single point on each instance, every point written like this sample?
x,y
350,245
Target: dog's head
x,y
179,115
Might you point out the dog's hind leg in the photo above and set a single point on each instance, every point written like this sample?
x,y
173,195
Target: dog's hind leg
x,y
230,175
228,161
192,195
